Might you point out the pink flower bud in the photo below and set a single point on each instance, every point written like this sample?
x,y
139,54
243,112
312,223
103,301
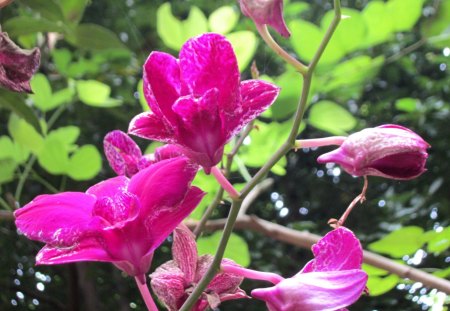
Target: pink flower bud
x,y
17,66
264,12
390,151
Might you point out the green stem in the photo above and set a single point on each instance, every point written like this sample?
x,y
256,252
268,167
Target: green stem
x,y
5,204
45,183
201,224
23,177
264,32
215,265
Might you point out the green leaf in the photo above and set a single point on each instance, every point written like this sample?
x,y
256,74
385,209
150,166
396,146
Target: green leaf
x,y
223,20
54,157
378,286
331,117
42,92
439,242
437,28
379,25
142,101
73,9
404,14
48,9
405,241
208,184
24,25
24,134
244,44
287,101
11,150
444,273
85,163
16,103
68,135
174,32
96,37
95,93
373,271
407,104
7,168
237,248
62,59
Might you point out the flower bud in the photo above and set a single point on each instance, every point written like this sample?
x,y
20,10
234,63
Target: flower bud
x,y
390,151
264,12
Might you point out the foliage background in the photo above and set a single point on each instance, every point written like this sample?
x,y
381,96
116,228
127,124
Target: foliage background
x,y
387,64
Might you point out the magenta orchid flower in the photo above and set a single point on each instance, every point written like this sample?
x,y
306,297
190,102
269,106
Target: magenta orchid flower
x,y
173,281
197,101
17,65
125,156
264,12
390,151
331,281
119,220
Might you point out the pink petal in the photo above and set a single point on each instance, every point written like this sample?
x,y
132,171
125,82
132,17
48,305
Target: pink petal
x,y
226,283
162,84
109,188
122,152
200,129
208,61
150,126
184,251
85,250
337,250
256,96
168,284
315,291
59,219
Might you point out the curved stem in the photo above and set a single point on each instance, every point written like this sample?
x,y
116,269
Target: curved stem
x,y
223,181
201,224
264,32
319,142
145,293
360,198
23,178
252,274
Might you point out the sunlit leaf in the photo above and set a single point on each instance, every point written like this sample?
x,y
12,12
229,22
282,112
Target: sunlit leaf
x,y
237,248
73,9
406,104
48,9
440,241
95,93
244,44
378,23
331,117
96,37
223,20
11,150
142,101
208,184
373,271
437,28
7,168
85,163
378,285
24,25
54,157
404,241
404,14
24,134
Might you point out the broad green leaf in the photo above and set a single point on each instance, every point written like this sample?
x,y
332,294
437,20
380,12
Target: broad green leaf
x,y
444,273
54,157
96,37
406,104
73,9
305,38
404,14
48,9
223,20
373,271
237,248
440,241
405,241
244,44
68,135
208,184
437,28
16,103
95,93
7,168
379,25
142,101
331,117
42,92
11,150
351,30
24,134
24,25
174,32
85,163
63,96
287,101
62,59
378,286
294,9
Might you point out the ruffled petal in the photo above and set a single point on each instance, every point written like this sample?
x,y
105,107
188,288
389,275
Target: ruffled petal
x,y
109,188
85,250
122,152
57,219
184,251
162,84
168,284
256,97
208,61
315,291
337,250
150,126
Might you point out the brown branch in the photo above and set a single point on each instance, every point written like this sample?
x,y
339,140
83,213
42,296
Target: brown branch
x,y
306,240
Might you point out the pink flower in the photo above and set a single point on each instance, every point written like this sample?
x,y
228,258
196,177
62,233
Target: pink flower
x,y
264,12
125,157
331,281
119,220
197,101
17,66
173,281
390,151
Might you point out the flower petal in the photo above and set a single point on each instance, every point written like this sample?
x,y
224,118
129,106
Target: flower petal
x,y
162,85
256,96
337,250
168,284
208,61
184,251
122,152
109,187
315,291
150,126
57,219
85,250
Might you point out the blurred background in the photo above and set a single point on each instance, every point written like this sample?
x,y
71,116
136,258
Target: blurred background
x,y
387,63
